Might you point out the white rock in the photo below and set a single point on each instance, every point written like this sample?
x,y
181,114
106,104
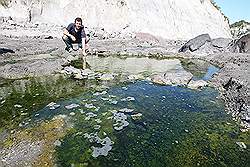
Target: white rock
x,y
126,110
72,114
136,116
89,106
106,77
71,106
136,77
199,84
57,143
53,106
100,93
242,145
17,106
128,99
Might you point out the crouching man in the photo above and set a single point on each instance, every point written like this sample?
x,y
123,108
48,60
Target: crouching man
x,y
75,34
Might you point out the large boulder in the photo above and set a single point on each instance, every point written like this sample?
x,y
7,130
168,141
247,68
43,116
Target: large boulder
x,y
242,45
221,42
195,43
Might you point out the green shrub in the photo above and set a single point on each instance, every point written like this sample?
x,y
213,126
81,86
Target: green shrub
x,y
4,3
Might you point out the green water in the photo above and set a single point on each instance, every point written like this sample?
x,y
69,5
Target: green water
x,y
178,126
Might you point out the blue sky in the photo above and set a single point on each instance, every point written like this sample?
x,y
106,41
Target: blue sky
x,y
235,10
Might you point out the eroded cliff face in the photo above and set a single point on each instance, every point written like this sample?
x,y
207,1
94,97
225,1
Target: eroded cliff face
x,y
170,19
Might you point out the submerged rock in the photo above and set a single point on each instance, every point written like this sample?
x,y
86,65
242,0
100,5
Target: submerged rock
x,y
114,102
72,114
71,106
136,116
89,106
17,106
126,110
90,115
53,106
100,93
197,84
79,73
241,145
106,144
57,143
96,127
120,121
173,78
128,99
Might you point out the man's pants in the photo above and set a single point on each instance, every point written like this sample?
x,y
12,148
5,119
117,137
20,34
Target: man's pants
x,y
68,41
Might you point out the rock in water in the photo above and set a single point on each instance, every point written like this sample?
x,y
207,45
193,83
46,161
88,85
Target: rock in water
x,y
173,78
197,84
241,145
71,106
171,19
136,116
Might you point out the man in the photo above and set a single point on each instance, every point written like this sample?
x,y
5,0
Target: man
x,y
75,33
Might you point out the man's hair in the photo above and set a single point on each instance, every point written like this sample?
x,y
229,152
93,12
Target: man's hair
x,y
78,19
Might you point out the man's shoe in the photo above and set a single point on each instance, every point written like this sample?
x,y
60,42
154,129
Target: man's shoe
x,y
69,49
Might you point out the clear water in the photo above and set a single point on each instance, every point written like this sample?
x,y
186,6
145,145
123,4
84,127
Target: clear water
x,y
178,126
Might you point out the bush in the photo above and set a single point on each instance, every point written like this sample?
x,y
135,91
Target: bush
x,y
4,3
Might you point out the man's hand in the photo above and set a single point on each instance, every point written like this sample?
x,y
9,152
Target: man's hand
x,y
72,37
66,32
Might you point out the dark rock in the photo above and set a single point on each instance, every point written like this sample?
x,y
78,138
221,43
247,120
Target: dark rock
x,y
48,37
195,43
242,45
4,50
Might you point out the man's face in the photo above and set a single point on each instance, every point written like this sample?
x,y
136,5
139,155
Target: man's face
x,y
78,25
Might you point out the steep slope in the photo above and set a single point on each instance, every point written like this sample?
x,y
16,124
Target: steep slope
x,y
171,19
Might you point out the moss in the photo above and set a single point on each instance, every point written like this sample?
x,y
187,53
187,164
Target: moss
x,y
37,93
47,133
79,63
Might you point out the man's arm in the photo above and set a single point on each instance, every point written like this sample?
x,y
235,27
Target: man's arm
x,y
66,32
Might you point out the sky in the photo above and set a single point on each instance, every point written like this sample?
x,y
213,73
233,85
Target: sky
x,y
235,10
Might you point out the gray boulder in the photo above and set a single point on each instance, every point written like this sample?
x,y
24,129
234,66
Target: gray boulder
x,y
242,45
221,42
195,43
173,78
